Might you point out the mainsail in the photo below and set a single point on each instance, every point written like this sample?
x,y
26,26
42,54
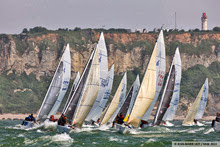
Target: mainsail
x,y
72,89
71,106
203,101
176,92
160,72
146,92
89,92
116,101
106,95
195,107
130,98
103,64
166,96
57,88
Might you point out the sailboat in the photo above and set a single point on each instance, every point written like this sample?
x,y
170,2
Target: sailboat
x,y
57,88
146,92
176,92
160,72
103,64
106,95
166,96
84,94
116,102
197,109
129,102
130,99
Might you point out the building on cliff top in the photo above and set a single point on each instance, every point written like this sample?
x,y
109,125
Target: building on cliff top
x,y
204,19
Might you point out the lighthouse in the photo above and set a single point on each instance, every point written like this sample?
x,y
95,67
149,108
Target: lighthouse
x,y
204,22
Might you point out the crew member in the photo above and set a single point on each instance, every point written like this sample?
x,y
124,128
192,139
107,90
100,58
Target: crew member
x,y
52,118
216,119
62,120
143,122
29,118
119,119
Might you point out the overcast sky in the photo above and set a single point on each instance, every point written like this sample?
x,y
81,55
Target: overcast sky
x,y
53,14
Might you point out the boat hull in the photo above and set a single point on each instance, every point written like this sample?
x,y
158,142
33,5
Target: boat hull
x,y
217,127
62,129
28,124
122,128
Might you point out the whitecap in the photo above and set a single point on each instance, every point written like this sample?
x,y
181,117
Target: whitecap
x,y
209,131
39,131
20,135
62,138
150,140
115,139
196,130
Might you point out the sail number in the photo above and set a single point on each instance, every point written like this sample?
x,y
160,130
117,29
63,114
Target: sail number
x,y
160,78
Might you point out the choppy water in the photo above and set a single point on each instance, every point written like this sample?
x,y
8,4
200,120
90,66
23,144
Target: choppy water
x,y
12,135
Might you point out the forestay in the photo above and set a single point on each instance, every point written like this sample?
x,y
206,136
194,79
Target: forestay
x,y
89,92
106,95
160,72
57,88
146,92
176,92
103,64
117,99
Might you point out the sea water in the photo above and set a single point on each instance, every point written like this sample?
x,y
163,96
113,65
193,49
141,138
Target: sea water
x,y
11,134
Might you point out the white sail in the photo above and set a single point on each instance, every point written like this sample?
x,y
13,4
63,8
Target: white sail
x,y
106,95
122,98
75,97
57,88
161,68
176,93
72,89
146,92
103,63
89,92
203,101
118,98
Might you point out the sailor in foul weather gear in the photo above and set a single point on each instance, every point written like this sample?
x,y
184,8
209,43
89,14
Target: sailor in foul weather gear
x,y
52,118
29,118
62,120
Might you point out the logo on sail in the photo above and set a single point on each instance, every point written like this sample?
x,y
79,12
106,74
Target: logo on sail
x,y
104,82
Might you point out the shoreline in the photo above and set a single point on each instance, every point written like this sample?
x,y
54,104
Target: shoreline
x,y
20,116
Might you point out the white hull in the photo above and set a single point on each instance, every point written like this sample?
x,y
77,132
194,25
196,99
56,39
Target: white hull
x,y
217,127
122,128
63,129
